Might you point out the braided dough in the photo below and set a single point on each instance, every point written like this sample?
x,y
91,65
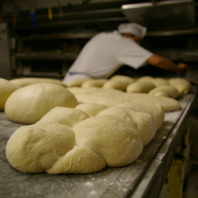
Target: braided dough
x,y
87,147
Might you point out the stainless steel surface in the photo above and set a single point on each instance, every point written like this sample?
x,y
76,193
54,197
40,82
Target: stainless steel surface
x,y
163,15
139,179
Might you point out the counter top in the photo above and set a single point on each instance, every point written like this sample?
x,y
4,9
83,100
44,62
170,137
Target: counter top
x,y
135,180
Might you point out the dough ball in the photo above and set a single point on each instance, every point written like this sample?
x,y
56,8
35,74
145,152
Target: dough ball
x,y
181,84
64,115
30,103
21,82
94,83
92,109
6,88
115,140
76,82
166,90
143,121
119,78
115,85
145,79
154,109
118,82
78,160
156,81
140,87
35,148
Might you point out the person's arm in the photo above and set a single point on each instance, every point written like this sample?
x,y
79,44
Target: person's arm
x,y
164,63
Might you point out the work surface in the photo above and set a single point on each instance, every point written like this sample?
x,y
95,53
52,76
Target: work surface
x,y
140,179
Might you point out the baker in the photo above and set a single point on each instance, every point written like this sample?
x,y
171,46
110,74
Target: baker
x,y
106,52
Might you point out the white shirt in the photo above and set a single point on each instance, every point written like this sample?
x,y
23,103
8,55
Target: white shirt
x,y
104,54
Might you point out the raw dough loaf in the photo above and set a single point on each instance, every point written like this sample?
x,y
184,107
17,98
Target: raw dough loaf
x,y
92,109
166,90
115,97
168,104
160,82
21,82
145,79
140,87
118,82
94,83
6,89
127,79
64,115
181,84
143,121
110,84
28,104
76,82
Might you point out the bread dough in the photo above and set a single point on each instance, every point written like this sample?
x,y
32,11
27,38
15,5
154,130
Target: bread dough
x,y
140,87
166,90
116,140
181,84
94,83
35,148
143,121
119,78
76,82
168,104
92,109
154,109
160,82
115,97
145,79
118,82
21,82
6,89
29,104
64,115
110,84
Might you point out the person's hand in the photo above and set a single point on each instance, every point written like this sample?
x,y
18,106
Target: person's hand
x,y
182,67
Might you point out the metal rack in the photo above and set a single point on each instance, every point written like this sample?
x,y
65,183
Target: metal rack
x,y
143,178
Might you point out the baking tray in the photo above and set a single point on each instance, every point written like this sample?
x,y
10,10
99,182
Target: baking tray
x,y
139,179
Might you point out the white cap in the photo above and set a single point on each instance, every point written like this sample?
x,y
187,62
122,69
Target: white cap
x,y
133,28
